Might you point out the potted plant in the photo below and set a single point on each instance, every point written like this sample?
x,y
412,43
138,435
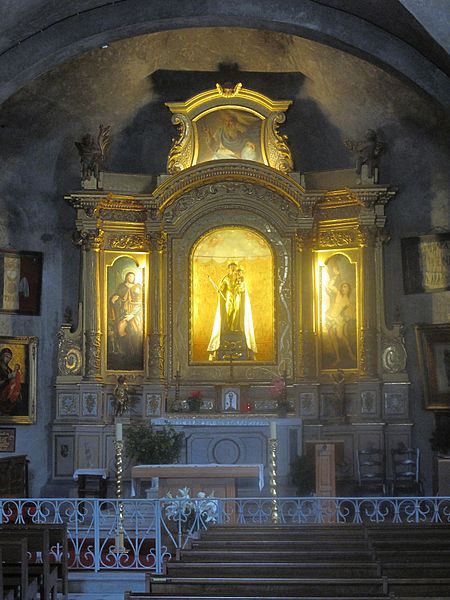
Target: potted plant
x,y
148,446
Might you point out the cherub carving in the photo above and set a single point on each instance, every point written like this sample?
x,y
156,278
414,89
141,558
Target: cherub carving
x,y
367,151
93,151
121,398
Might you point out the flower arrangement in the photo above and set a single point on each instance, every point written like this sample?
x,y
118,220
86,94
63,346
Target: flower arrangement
x,y
195,401
278,391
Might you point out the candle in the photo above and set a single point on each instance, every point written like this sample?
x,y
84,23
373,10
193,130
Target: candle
x,y
273,430
119,431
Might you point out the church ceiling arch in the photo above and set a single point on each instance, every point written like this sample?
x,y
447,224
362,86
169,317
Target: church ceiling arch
x,y
54,36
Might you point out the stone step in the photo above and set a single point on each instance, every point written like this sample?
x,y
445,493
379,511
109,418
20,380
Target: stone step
x,y
267,555
287,587
277,544
224,569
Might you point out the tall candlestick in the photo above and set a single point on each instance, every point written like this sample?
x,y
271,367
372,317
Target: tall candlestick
x,y
119,431
273,430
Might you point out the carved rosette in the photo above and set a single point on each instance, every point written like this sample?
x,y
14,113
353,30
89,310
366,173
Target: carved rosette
x,y
181,153
93,353
70,359
156,361
91,239
278,152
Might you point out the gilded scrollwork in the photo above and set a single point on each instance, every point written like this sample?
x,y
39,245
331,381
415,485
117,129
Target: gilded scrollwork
x,y
181,153
156,360
70,359
279,154
336,238
394,357
127,242
93,353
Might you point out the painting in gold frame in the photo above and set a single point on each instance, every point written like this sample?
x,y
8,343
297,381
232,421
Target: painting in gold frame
x,y
18,379
433,344
125,301
229,133
232,297
337,309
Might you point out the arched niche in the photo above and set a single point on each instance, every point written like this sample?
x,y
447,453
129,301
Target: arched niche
x,y
232,296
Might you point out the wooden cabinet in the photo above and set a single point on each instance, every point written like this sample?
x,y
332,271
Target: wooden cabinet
x,y
14,477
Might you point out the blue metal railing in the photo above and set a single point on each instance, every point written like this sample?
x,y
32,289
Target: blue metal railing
x,y
153,530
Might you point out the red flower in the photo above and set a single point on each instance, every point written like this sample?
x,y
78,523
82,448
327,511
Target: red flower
x,y
277,387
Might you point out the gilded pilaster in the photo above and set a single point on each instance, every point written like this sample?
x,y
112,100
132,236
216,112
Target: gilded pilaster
x,y
368,327
305,290
156,362
90,241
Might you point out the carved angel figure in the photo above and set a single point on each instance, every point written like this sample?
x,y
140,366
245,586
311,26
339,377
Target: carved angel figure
x,y
367,151
93,151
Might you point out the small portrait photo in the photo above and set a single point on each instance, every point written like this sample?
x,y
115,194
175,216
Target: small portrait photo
x,y
230,399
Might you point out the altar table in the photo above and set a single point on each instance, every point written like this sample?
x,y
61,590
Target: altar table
x,y
217,478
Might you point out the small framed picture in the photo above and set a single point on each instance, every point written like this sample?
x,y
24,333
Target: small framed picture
x,y
7,439
21,282
230,399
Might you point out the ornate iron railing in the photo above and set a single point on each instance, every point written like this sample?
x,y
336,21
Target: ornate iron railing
x,y
154,530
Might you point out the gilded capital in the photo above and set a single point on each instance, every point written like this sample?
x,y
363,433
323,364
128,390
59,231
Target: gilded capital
x,y
89,239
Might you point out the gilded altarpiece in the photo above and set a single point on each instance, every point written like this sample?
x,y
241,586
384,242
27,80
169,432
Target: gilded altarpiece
x,y
229,274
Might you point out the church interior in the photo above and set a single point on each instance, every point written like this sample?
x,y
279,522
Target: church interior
x,y
226,224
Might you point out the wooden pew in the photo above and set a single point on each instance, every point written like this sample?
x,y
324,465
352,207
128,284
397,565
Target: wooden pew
x,y
16,576
43,539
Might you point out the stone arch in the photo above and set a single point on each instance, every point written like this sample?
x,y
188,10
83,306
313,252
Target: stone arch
x,y
60,37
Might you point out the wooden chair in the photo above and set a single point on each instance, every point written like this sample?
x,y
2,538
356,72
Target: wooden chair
x,y
371,465
406,472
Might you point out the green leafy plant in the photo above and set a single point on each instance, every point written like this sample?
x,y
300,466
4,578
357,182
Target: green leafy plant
x,y
149,446
303,475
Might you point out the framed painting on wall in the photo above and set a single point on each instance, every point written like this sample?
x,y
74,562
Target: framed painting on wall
x,y
20,282
18,379
426,263
433,343
7,439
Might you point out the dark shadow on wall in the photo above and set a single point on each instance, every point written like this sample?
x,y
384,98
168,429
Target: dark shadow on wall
x,y
143,146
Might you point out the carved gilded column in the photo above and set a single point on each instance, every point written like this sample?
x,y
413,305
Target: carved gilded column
x,y
156,361
305,290
368,325
90,241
